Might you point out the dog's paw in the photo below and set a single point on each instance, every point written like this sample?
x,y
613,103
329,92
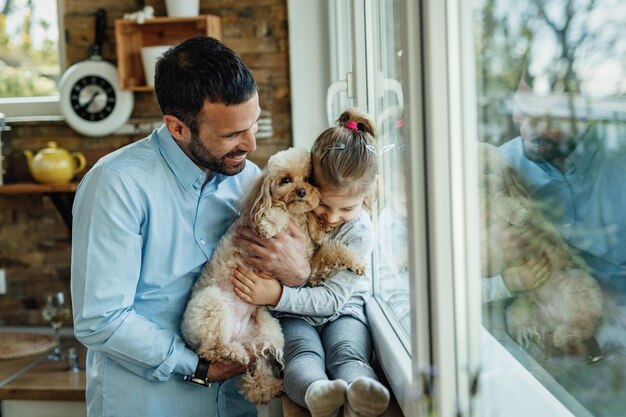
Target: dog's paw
x,y
273,221
233,352
239,354
259,388
358,268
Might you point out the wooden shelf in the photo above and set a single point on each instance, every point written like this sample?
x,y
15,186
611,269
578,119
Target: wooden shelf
x,y
62,195
131,36
34,188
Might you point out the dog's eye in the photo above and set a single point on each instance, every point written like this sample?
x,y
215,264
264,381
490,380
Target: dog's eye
x,y
285,180
307,180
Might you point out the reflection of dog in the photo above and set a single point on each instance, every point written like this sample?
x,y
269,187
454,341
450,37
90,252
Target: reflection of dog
x,y
222,327
567,308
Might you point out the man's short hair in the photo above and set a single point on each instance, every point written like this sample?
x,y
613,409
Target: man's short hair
x,y
197,70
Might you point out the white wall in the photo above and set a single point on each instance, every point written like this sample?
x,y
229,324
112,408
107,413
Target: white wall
x,y
309,67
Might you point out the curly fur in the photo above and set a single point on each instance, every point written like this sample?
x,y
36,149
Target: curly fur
x,y
567,308
222,327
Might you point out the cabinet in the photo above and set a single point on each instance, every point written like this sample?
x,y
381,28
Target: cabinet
x,y
131,36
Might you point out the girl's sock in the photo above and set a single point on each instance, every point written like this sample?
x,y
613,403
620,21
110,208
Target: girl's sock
x,y
325,398
366,397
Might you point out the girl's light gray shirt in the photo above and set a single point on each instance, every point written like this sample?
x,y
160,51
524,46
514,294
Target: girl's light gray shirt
x,y
344,293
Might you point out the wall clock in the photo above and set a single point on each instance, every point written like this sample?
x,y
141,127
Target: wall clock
x,y
90,97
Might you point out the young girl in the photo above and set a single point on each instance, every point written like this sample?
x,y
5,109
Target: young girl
x,y
327,341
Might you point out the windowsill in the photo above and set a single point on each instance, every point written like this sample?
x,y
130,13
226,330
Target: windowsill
x,y
514,381
132,126
393,358
34,120
27,107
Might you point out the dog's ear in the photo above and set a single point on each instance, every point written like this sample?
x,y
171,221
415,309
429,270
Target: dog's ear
x,y
315,228
257,200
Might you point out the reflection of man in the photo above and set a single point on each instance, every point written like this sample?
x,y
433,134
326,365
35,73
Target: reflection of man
x,y
578,181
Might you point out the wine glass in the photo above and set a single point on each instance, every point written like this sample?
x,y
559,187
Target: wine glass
x,y
56,312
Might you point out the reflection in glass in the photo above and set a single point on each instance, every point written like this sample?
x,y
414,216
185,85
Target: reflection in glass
x,y
390,215
552,109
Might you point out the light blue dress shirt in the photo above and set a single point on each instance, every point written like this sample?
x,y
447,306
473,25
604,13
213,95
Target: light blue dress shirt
x,y
587,203
143,228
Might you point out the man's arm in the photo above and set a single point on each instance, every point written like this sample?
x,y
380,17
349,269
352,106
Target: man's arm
x,y
106,268
282,256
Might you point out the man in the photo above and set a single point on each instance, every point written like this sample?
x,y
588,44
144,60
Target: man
x,y
146,219
578,179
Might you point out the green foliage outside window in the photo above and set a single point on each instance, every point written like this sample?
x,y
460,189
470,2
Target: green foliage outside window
x,y
29,53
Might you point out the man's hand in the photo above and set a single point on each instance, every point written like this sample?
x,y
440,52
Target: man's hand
x,y
219,371
282,257
530,275
259,289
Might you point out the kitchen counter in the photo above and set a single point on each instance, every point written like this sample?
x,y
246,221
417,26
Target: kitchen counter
x,y
11,367
36,378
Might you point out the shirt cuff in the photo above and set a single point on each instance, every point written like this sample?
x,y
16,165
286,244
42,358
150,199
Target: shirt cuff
x,y
187,363
280,306
494,289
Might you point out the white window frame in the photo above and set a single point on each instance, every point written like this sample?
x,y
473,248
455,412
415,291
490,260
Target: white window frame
x,y
405,371
38,107
458,338
449,117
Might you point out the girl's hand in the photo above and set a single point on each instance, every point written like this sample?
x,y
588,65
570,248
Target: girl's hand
x,y
256,288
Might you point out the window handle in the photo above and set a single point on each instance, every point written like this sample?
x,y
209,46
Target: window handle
x,y
335,88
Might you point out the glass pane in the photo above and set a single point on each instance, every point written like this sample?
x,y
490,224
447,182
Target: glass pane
x,y
392,267
29,51
551,78
342,41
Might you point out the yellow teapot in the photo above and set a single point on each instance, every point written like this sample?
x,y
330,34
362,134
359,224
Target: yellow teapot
x,y
54,165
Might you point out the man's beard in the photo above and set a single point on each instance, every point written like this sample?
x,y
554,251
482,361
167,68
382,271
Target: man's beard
x,y
205,158
546,149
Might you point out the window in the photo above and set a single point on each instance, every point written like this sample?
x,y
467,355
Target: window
x,y
370,70
551,117
29,57
506,121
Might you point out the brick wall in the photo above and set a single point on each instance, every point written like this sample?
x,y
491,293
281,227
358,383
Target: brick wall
x,y
34,241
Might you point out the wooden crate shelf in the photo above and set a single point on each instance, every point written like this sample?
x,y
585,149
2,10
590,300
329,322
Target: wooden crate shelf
x,y
131,36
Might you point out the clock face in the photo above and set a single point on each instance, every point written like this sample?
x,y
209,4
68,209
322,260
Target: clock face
x,y
92,98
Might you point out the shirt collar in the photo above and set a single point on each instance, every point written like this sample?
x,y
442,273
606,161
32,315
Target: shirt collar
x,y
584,152
181,165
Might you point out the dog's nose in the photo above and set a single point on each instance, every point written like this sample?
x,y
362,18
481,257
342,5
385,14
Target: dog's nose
x,y
301,192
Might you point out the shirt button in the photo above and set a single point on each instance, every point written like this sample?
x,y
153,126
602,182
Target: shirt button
x,y
202,241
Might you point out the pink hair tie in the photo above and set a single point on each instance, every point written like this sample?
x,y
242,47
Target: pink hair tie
x,y
352,125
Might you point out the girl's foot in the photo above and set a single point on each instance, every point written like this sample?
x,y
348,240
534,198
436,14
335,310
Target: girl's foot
x,y
366,397
325,398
